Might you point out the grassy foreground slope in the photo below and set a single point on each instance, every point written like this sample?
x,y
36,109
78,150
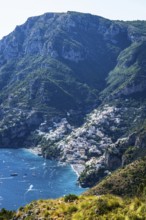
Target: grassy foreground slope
x,y
85,208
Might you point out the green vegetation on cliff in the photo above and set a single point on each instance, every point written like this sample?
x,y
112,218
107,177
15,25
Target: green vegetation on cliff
x,y
127,181
129,75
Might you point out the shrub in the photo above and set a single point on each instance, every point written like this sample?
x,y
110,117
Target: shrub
x,y
72,209
70,198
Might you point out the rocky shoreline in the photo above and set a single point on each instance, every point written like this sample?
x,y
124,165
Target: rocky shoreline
x,y
35,150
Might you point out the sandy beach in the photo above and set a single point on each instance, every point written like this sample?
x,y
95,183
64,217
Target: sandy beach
x,y
77,168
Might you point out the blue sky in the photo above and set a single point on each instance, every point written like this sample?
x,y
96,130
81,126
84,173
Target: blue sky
x,y
15,12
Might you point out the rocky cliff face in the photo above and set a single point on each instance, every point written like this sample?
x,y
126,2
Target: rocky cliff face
x,y
74,85
41,35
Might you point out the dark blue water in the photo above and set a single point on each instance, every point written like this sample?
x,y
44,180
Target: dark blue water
x,y
37,178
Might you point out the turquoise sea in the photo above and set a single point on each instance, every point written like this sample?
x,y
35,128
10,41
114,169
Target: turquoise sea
x,y
25,177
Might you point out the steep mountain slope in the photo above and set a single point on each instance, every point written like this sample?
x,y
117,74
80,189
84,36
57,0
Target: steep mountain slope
x,y
129,75
53,64
64,53
74,85
128,181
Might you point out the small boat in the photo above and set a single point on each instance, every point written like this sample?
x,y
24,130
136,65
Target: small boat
x,y
14,174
